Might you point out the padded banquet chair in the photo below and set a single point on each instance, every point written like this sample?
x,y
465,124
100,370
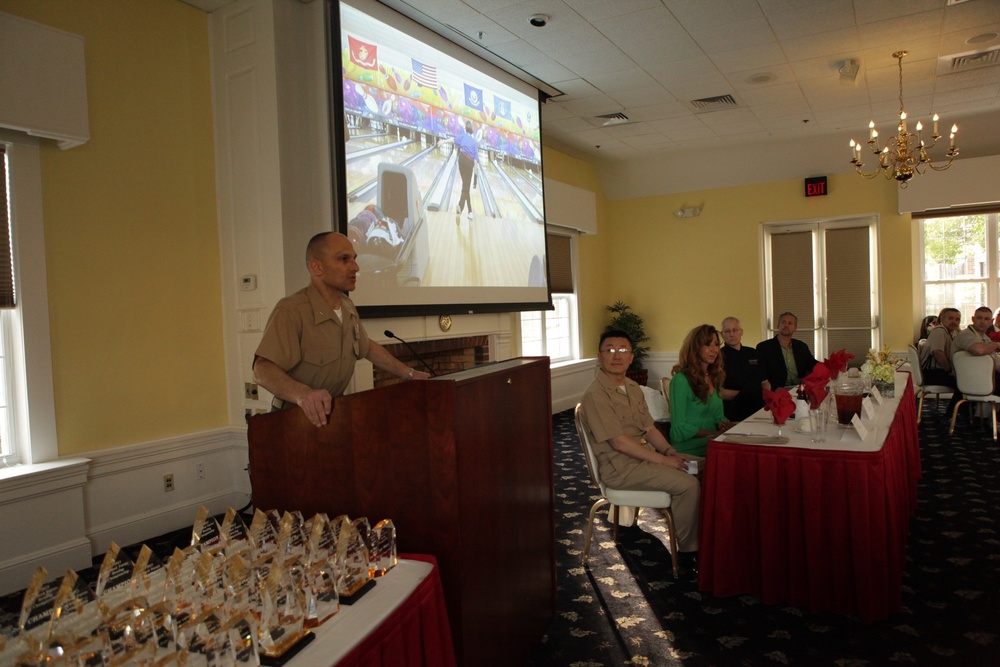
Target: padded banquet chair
x,y
621,497
975,380
918,381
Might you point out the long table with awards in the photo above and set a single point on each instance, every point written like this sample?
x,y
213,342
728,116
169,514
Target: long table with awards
x,y
821,526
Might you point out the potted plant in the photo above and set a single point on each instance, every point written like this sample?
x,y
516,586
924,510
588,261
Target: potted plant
x,y
624,319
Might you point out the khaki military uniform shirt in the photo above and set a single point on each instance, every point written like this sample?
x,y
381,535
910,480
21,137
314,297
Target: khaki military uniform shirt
x,y
305,339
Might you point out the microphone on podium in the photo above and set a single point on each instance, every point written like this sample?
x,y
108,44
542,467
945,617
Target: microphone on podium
x,y
389,334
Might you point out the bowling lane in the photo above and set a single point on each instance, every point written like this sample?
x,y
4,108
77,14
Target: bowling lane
x,y
362,169
484,251
528,184
507,202
425,170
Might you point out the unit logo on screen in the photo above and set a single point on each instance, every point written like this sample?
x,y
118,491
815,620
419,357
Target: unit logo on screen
x,y
443,174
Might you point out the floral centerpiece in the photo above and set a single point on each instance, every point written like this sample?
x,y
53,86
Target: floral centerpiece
x,y
880,368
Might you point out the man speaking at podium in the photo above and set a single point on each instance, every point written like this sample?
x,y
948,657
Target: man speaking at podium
x,y
314,337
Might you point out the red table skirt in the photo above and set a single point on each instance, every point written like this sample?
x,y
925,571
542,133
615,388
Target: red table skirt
x,y
415,634
822,530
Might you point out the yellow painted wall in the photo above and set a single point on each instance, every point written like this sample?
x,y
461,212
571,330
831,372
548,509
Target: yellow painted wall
x,y
131,233
679,273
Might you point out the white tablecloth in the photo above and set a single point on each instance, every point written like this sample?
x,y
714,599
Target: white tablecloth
x,y
837,439
336,637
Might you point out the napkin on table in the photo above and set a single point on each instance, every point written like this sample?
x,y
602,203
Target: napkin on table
x,y
779,404
837,362
815,385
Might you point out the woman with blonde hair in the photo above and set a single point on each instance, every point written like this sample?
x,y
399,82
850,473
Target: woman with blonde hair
x,y
696,392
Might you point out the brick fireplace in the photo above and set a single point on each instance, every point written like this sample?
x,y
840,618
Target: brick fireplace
x,y
444,355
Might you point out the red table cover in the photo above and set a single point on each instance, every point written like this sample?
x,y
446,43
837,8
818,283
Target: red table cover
x,y
822,530
415,634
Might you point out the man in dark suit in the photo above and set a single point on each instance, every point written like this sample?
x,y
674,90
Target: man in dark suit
x,y
786,360
741,393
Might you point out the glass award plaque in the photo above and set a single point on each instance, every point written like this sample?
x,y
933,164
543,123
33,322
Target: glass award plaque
x,y
263,534
78,637
210,582
236,533
206,533
242,641
292,539
150,577
365,533
131,633
353,561
242,593
322,542
282,623
383,546
182,592
321,592
34,622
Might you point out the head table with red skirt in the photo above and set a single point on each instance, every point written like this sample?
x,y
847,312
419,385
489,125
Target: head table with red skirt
x,y
821,526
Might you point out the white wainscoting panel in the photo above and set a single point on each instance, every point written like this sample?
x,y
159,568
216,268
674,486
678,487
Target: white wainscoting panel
x,y
569,381
125,499
42,521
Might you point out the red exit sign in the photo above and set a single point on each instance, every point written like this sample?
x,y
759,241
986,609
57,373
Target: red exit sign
x,y
816,186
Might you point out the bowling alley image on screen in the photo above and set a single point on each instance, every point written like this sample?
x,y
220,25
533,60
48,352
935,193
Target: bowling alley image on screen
x,y
442,166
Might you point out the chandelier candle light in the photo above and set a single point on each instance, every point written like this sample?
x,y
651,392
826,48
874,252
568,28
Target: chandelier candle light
x,y
905,154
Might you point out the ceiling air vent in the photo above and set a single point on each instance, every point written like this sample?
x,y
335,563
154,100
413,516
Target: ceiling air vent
x,y
717,103
967,61
617,118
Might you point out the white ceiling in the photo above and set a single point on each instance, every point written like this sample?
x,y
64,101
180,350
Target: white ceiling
x,y
778,59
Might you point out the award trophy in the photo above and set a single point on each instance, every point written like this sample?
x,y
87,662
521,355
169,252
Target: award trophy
x,y
353,560
34,623
206,642
77,636
282,622
236,534
322,576
263,534
182,591
383,545
130,626
242,641
292,536
205,533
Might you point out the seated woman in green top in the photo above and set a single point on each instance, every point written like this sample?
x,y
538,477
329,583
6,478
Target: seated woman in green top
x,y
695,392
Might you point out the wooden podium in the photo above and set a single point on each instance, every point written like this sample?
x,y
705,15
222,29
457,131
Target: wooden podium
x,y
462,464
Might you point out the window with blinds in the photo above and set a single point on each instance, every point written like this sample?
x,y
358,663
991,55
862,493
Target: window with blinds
x,y
7,295
826,273
560,258
555,333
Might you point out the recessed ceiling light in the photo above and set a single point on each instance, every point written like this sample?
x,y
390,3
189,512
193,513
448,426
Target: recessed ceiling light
x,y
539,20
985,37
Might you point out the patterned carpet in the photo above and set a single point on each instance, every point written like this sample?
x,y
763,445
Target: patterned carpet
x,y
627,609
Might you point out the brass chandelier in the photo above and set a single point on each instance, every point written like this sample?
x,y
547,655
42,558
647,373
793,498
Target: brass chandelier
x,y
906,153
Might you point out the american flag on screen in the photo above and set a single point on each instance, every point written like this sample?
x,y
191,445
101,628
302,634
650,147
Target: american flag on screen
x,y
424,75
